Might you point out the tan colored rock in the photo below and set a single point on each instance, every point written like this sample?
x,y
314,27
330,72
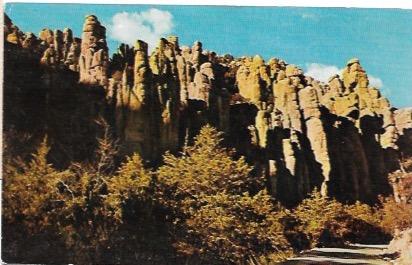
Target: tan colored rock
x,y
262,125
174,41
253,79
341,100
292,70
403,123
180,65
142,74
372,104
285,92
403,120
316,134
183,70
275,65
167,84
354,76
50,57
162,59
30,41
371,135
347,106
67,42
134,104
196,54
320,88
200,88
73,55
93,59
12,33
336,86
58,45
290,155
186,53
47,36
303,133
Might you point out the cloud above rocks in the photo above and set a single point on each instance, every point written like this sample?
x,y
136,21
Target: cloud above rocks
x,y
149,26
322,72
375,81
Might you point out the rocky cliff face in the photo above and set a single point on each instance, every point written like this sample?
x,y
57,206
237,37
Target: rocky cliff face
x,y
403,122
342,137
43,96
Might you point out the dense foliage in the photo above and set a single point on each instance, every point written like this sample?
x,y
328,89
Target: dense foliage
x,y
219,209
336,223
202,206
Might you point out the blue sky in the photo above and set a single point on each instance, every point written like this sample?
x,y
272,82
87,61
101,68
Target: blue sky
x,y
319,40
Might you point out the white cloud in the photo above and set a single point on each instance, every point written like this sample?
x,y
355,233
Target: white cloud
x,y
322,72
378,83
149,26
375,81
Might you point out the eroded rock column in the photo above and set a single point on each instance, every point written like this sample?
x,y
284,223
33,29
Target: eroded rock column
x,y
93,59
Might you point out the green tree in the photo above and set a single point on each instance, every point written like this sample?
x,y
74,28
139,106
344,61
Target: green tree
x,y
363,212
131,183
29,192
318,214
217,208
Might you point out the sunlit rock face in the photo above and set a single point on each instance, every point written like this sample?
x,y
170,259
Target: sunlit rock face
x,y
94,57
342,137
403,123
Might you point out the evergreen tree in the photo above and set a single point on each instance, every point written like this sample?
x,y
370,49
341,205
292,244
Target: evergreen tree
x,y
29,189
217,208
317,214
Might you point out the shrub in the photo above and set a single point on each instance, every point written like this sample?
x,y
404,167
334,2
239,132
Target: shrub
x,y
29,192
396,211
395,215
363,212
218,209
363,225
328,222
317,216
131,184
99,215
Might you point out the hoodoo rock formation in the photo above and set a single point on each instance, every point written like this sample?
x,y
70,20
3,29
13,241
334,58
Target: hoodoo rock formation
x,y
342,137
94,57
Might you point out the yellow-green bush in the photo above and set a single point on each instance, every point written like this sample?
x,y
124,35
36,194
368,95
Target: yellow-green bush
x,y
202,203
218,209
316,214
29,192
326,221
84,205
395,216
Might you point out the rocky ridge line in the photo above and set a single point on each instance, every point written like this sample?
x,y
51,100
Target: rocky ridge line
x,y
343,137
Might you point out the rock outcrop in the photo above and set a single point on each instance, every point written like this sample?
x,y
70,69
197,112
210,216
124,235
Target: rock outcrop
x,y
93,60
343,137
132,87
403,123
253,79
43,96
12,33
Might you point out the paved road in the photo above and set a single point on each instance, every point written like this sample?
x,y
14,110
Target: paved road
x,y
353,254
